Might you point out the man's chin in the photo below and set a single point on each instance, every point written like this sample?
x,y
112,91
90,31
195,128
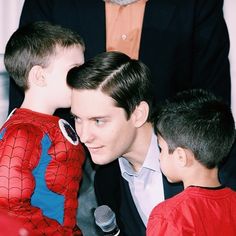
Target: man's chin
x,y
100,161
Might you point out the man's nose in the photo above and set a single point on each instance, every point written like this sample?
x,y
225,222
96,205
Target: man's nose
x,y
84,133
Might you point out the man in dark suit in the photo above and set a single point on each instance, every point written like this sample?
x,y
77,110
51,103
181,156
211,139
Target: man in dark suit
x,y
184,43
112,107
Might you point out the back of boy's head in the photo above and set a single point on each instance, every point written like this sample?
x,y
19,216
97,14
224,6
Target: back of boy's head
x,y
198,121
125,80
36,44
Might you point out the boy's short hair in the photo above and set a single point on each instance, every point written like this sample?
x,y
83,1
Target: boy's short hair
x,y
125,80
36,44
198,121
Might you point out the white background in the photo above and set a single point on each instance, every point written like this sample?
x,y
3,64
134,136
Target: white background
x,y
9,18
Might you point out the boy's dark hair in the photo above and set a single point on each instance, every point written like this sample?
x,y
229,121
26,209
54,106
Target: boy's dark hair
x,y
198,121
124,79
36,44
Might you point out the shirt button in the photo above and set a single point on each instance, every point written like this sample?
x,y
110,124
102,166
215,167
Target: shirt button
x,y
124,36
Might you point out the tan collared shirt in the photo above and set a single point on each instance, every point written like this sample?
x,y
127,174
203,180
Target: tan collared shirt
x,y
124,27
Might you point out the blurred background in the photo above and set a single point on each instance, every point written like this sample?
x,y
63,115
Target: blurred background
x,y
9,18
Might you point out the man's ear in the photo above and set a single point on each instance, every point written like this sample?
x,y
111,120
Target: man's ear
x,y
140,114
36,76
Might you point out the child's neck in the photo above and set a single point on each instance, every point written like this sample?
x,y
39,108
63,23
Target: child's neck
x,y
37,105
203,178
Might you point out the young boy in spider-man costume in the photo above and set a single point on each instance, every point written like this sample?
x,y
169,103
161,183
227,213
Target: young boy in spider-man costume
x,y
41,157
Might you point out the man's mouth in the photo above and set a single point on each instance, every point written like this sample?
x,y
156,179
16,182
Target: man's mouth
x,y
94,149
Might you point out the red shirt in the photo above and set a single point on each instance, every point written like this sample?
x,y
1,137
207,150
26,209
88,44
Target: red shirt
x,y
9,226
40,171
196,211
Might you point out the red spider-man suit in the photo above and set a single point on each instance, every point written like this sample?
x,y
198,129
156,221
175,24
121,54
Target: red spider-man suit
x,y
40,170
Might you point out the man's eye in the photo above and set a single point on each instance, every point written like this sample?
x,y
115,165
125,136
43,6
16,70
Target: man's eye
x,y
99,122
76,118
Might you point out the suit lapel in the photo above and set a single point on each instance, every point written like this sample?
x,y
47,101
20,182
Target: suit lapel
x,y
128,210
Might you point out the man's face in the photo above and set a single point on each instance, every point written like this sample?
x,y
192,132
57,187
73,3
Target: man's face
x,y
102,126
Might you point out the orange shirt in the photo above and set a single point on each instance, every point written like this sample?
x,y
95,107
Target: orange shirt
x,y
124,27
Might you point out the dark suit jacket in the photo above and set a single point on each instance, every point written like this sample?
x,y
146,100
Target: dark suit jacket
x,y
185,43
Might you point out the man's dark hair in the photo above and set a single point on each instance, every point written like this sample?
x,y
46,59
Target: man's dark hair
x,y
125,80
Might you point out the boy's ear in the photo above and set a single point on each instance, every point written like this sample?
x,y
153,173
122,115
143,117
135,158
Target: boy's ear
x,y
36,76
181,156
140,114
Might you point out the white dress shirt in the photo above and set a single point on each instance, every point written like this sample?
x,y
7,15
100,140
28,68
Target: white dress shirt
x,y
146,185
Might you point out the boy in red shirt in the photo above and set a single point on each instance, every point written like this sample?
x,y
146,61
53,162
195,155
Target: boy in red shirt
x,y
195,132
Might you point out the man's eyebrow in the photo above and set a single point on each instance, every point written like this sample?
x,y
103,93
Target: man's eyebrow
x,y
90,118
97,117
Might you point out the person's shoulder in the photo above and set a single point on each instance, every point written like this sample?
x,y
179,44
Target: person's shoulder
x,y
20,130
169,207
24,129
231,192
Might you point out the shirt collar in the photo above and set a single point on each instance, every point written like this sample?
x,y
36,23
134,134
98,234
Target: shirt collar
x,y
151,161
123,2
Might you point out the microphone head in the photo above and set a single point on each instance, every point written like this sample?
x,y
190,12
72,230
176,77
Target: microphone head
x,y
105,218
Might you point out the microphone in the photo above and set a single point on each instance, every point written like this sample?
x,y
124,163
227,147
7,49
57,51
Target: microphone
x,y
105,218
